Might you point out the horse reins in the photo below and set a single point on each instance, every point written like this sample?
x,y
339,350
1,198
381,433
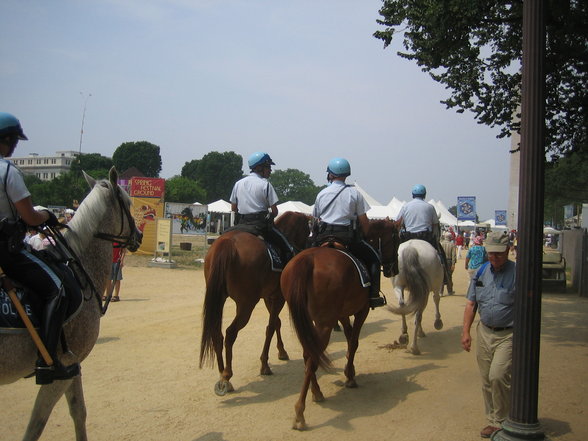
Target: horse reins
x,y
123,241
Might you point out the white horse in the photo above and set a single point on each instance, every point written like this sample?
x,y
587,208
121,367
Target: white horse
x,y
103,217
420,272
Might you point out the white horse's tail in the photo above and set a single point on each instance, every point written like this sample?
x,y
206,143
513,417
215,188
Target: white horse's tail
x,y
416,283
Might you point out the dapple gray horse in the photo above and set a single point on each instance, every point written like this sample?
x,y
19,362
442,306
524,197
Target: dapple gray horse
x,y
420,272
104,216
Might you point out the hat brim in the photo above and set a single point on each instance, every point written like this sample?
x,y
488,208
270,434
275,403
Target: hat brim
x,y
496,248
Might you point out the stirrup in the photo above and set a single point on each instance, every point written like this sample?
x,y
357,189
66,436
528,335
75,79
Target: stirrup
x,y
376,302
47,374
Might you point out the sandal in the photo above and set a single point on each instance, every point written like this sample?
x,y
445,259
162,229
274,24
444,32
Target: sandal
x,y
115,299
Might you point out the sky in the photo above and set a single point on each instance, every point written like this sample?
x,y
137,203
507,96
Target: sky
x,y
303,80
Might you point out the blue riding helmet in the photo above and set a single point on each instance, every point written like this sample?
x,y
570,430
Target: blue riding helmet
x,y
9,125
419,190
339,167
259,158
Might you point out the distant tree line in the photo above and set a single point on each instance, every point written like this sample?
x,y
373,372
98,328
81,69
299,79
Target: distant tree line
x,y
202,180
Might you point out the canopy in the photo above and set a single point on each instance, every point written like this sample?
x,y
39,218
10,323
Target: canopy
x,y
296,206
550,230
220,206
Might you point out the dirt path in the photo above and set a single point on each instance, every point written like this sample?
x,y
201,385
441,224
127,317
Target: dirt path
x,y
142,381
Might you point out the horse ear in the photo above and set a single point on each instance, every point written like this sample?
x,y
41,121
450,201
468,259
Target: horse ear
x,y
89,179
113,176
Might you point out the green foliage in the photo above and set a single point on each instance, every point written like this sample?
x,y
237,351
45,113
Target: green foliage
x,y
94,164
62,190
142,155
294,185
474,48
566,182
181,189
216,173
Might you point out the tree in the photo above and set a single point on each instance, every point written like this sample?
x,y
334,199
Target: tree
x,y
94,164
294,185
566,183
474,48
60,191
142,154
180,189
216,173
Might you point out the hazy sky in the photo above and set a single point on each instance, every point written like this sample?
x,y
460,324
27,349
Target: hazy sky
x,y
303,80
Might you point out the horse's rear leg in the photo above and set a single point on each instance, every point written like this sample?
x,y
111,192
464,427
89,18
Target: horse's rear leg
x,y
438,322
300,406
241,319
352,345
274,306
403,339
77,407
418,331
47,397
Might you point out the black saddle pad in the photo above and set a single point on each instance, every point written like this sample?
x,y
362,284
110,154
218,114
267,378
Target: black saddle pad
x,y
364,275
10,321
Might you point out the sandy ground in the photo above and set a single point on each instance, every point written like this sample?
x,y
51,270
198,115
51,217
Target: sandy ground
x,y
142,380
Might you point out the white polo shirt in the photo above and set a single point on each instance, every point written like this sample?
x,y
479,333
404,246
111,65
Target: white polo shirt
x,y
253,194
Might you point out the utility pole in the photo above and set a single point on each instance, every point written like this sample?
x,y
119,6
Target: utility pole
x,y
87,96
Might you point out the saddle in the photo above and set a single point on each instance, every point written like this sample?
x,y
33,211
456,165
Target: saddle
x,y
10,321
278,262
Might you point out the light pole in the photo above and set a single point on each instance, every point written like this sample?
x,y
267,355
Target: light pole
x,y
83,118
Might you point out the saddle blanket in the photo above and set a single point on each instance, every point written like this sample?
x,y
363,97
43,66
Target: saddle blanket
x,y
10,321
364,276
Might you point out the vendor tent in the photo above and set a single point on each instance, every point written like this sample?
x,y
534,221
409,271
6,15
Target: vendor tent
x,y
220,206
296,206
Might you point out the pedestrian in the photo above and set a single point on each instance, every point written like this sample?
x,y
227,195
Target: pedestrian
x,y
451,256
475,256
491,293
459,241
340,213
116,275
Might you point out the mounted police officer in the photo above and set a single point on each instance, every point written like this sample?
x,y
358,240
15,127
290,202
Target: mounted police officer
x,y
341,214
16,212
252,197
420,221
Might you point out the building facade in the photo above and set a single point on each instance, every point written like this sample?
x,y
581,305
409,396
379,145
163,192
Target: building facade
x,y
45,168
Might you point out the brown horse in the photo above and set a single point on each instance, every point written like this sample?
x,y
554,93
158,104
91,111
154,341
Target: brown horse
x,y
238,266
322,286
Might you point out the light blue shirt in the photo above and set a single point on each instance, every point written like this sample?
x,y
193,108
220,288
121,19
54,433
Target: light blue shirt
x,y
494,292
344,208
418,216
15,190
253,194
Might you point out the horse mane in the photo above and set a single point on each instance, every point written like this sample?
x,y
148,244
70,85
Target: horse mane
x,y
90,216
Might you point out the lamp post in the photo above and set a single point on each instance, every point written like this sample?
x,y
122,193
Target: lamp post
x,y
87,96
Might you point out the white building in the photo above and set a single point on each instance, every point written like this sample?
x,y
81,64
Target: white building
x,y
45,167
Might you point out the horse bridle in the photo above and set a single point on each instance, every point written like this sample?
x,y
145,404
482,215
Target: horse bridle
x,y
132,241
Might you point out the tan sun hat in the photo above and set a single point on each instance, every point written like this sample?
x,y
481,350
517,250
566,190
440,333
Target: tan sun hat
x,y
496,242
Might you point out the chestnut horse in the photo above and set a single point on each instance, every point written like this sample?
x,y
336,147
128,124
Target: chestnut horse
x,y
238,266
322,286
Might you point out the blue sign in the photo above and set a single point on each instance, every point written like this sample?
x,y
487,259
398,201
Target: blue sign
x,y
466,208
500,217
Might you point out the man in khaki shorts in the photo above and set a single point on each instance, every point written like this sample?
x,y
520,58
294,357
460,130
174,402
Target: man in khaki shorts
x,y
492,293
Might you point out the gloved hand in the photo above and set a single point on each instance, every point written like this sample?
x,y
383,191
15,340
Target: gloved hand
x,y
52,221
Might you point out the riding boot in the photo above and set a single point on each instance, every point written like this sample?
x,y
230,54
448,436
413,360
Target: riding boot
x,y
375,299
51,327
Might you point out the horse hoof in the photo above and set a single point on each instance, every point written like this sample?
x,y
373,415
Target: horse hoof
x,y
351,384
415,351
299,425
318,398
438,324
222,387
283,356
403,339
266,371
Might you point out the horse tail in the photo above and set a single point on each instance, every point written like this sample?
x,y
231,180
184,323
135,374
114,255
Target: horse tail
x,y
297,295
224,253
416,283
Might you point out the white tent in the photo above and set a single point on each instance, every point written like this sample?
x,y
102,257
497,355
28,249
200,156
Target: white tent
x,y
381,212
220,206
445,217
370,200
493,225
296,206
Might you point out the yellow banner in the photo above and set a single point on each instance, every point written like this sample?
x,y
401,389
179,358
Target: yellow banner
x,y
145,212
